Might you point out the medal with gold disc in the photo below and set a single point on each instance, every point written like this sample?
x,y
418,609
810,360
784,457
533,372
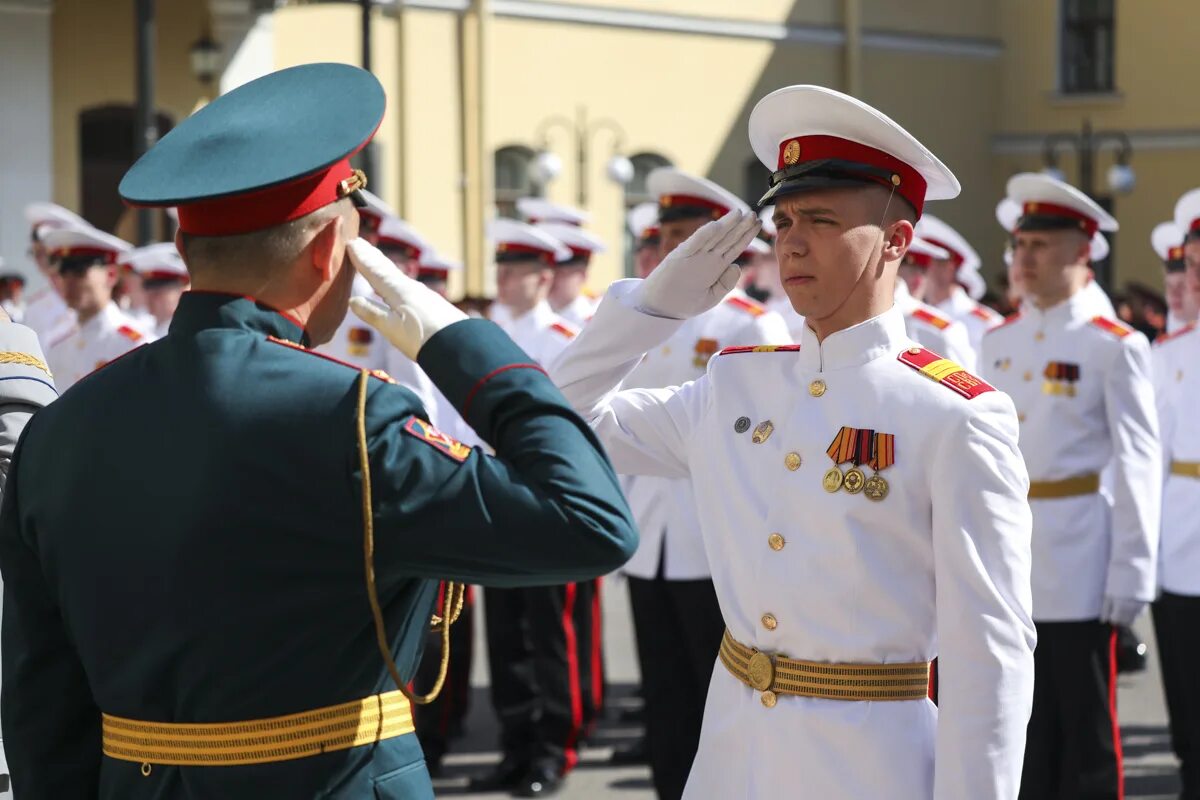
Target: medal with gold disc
x,y
876,487
863,452
840,450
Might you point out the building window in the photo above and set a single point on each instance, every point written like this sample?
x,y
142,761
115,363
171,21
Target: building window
x,y
106,137
643,164
514,178
1087,46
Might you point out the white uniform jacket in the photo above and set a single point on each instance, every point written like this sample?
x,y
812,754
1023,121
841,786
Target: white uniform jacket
x,y
1083,390
930,328
578,311
977,318
1177,384
665,509
48,316
940,566
540,332
108,335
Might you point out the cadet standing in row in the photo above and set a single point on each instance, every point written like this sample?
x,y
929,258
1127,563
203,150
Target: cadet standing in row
x,y
282,569
1083,390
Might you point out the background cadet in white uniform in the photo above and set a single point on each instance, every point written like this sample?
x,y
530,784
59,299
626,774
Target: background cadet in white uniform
x,y
676,617
642,221
86,263
1177,610
926,325
46,313
1186,306
567,297
25,386
164,278
1082,387
536,684
811,557
953,285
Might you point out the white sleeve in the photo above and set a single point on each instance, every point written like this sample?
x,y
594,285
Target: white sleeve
x,y
645,431
982,529
1136,471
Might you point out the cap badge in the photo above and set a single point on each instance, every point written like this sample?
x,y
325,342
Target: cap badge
x,y
356,181
791,153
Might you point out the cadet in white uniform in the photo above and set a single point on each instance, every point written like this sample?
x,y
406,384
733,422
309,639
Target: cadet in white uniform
x,y
1083,390
164,278
1183,306
862,501
676,617
931,328
947,280
567,297
1177,610
46,313
86,263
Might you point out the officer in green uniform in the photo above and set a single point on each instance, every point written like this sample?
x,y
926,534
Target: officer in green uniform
x,y
234,623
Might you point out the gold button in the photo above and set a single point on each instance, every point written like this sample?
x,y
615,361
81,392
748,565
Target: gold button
x,y
776,541
914,351
1028,375
1037,337
817,388
769,622
769,699
792,461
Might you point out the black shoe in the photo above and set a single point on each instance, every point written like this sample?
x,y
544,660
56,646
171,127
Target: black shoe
x,y
538,782
630,754
505,775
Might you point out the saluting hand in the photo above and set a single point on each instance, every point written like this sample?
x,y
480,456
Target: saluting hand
x,y
414,312
698,274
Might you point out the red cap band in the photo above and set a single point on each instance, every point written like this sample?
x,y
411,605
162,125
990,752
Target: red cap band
x,y
437,274
163,275
410,249
1175,253
108,256
955,256
1195,226
1089,225
672,200
918,259
908,182
535,252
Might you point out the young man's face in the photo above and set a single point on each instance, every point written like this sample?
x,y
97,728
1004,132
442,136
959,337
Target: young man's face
x,y
1191,260
674,233
162,298
521,285
914,276
88,290
567,285
645,259
1175,290
1049,263
827,241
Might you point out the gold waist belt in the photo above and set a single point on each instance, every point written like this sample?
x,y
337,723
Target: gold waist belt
x,y
1067,487
259,741
773,675
1188,469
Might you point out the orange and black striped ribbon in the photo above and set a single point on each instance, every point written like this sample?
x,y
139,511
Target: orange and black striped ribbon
x,y
841,449
885,451
864,446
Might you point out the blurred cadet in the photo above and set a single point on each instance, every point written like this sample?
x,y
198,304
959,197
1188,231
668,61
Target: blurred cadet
x,y
1177,609
535,210
567,296
642,221
164,278
46,313
371,215
281,574
1082,386
1168,242
12,293
954,285
537,682
676,617
434,271
926,325
836,590
86,262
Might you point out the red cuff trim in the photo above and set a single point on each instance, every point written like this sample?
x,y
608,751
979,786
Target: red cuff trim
x,y
479,384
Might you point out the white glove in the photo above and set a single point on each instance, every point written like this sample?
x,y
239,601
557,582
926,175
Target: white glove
x,y
1121,610
414,312
698,274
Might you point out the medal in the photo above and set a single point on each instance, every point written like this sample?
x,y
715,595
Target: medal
x,y
762,432
742,425
854,480
876,488
884,455
832,480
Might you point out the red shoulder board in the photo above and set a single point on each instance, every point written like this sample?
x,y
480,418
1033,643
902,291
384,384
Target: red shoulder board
x,y
431,436
936,320
1175,334
565,330
761,348
374,373
1117,329
945,372
749,306
132,334
361,335
985,314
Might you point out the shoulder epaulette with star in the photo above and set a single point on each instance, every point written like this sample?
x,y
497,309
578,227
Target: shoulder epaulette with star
x,y
1186,329
130,333
565,330
745,304
936,320
946,372
760,348
1117,329
374,373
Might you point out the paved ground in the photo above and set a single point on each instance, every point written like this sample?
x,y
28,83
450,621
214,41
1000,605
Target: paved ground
x,y
1150,768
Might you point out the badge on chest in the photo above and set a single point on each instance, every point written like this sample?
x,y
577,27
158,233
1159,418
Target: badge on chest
x,y
859,448
705,349
1060,378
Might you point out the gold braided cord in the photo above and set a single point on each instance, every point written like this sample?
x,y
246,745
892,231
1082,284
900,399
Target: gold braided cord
x,y
25,360
455,592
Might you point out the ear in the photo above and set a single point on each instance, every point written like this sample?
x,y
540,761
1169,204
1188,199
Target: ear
x,y
327,247
897,237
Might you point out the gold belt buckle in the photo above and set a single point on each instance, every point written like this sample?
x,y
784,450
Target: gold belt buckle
x,y
761,671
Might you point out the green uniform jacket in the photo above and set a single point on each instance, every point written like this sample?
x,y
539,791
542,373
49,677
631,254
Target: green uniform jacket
x,y
181,540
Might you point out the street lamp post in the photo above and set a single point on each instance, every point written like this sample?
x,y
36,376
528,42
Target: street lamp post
x,y
620,170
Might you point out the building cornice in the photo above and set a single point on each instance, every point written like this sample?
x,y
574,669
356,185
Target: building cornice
x,y
1013,144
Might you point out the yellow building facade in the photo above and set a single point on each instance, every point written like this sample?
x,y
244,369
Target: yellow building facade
x,y
980,82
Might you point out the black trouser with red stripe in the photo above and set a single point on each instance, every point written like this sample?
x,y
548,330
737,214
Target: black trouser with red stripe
x,y
533,653
1177,628
1073,751
679,628
437,721
589,628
